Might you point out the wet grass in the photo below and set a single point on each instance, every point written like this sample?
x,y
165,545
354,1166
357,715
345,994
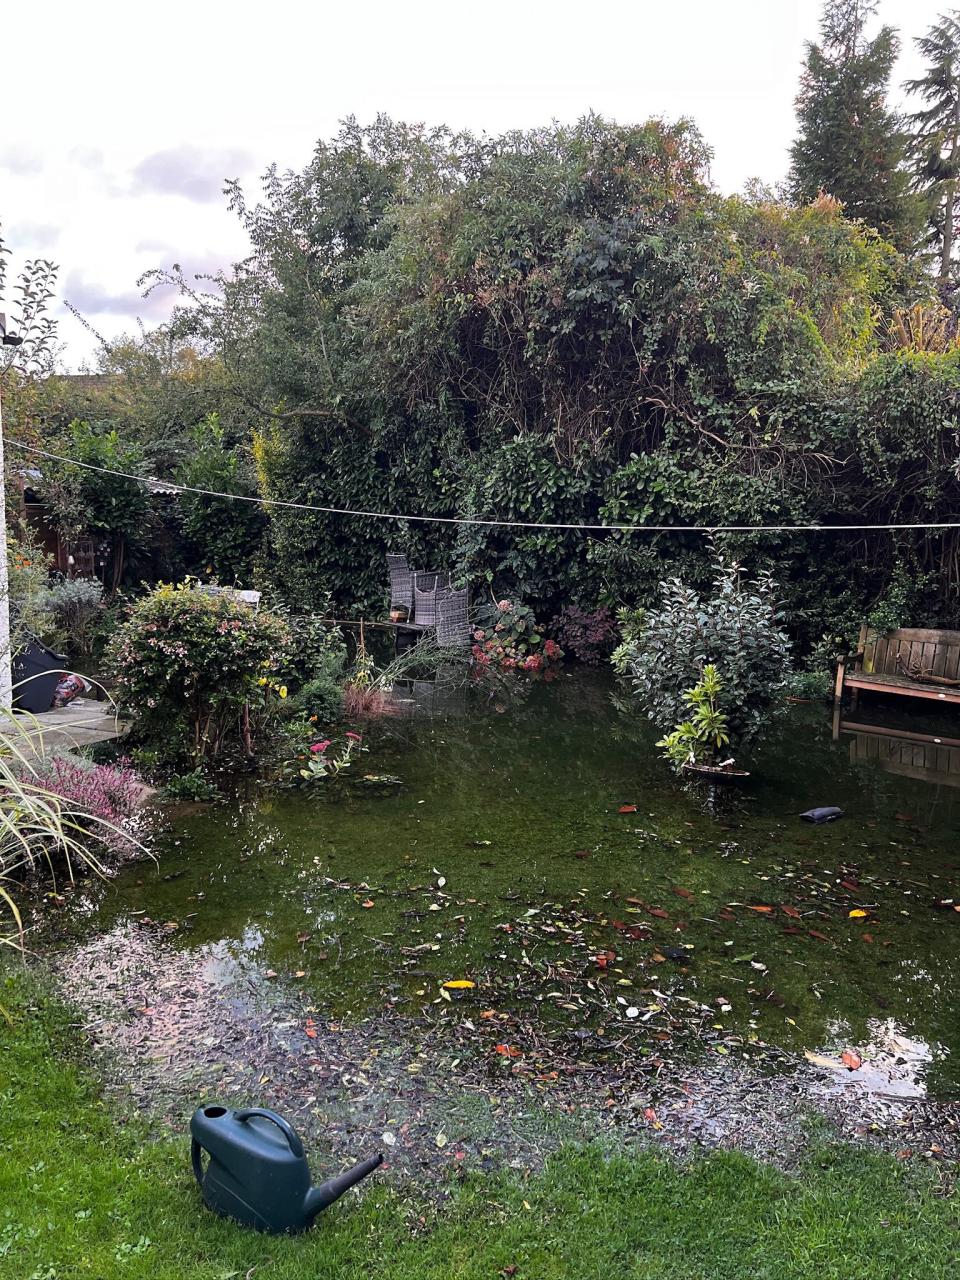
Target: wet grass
x,y
86,1193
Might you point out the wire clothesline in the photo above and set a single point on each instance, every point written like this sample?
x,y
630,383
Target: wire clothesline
x,y
169,486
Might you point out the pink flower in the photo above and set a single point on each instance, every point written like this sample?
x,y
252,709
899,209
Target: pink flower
x,y
504,606
320,746
357,737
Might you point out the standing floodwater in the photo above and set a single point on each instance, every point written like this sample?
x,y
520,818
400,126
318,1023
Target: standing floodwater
x,y
538,895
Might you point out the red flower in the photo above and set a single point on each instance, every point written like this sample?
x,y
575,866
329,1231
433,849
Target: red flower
x,y
320,746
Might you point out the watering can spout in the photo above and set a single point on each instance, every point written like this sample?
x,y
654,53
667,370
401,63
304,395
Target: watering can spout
x,y
319,1197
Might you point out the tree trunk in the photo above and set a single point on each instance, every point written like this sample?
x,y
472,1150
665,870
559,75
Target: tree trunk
x,y
949,205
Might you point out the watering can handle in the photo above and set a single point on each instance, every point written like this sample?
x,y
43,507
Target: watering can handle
x,y
196,1160
296,1146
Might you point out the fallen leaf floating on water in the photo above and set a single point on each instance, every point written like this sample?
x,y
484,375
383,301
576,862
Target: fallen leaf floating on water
x,y
858,914
459,984
850,1058
627,808
819,1060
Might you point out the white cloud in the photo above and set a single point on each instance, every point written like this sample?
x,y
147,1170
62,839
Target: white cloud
x,y
193,172
21,160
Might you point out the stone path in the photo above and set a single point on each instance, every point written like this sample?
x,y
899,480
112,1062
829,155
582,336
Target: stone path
x,y
81,723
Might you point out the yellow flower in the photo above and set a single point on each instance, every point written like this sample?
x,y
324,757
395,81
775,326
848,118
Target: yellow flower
x,y
262,681
283,691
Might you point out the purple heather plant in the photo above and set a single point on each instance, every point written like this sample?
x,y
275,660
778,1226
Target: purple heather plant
x,y
108,794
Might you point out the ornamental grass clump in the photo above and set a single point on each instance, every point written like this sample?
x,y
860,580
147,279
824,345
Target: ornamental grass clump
x,y
197,673
51,824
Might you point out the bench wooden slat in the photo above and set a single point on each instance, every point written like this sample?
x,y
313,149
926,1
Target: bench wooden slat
x,y
900,685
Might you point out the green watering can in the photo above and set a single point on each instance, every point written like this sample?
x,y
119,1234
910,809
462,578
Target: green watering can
x,y
257,1172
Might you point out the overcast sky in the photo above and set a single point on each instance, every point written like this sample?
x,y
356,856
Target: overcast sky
x,y
119,122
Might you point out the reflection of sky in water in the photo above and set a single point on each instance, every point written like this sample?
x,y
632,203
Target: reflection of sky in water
x,y
893,1062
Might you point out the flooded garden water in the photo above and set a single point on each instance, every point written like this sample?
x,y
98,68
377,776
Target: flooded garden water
x,y
514,893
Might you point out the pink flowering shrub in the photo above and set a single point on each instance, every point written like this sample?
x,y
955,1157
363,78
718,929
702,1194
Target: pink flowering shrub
x,y
507,636
194,671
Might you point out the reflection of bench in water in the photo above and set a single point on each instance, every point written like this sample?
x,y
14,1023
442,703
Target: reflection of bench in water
x,y
927,756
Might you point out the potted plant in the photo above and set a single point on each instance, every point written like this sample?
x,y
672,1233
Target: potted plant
x,y
399,613
697,744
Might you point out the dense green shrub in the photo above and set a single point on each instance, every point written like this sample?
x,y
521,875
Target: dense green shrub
x,y
189,666
76,604
736,628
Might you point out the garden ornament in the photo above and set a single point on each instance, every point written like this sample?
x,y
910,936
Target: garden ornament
x,y
257,1172
827,813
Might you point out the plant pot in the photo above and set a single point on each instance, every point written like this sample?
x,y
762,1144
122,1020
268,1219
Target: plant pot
x,y
716,772
399,614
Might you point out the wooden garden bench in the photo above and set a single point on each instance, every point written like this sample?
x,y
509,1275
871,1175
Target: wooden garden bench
x,y
909,663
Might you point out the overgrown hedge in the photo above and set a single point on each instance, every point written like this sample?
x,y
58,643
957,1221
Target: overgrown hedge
x,y
570,325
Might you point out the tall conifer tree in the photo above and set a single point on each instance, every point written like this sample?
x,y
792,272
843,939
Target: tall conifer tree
x,y
936,137
850,144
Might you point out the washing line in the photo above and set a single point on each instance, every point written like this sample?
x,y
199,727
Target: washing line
x,y
169,486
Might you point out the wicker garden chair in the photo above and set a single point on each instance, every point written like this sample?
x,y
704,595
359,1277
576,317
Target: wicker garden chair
x,y
425,587
401,583
453,617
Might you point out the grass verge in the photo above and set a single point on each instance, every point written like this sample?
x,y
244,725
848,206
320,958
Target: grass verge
x,y
86,1193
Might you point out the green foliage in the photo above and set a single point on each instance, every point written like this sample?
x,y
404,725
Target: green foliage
x,y
700,738
935,138
851,145
28,572
194,786
77,605
736,628
115,512
568,326
223,536
187,664
324,760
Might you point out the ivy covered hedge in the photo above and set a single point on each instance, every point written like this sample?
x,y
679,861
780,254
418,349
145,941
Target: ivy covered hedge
x,y
570,325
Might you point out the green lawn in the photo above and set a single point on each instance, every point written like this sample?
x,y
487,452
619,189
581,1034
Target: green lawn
x,y
84,1194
